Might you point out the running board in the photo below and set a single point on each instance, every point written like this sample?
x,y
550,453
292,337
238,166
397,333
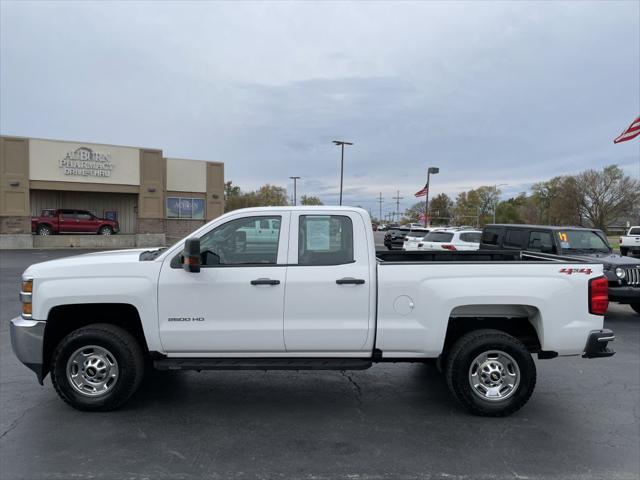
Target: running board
x,y
262,364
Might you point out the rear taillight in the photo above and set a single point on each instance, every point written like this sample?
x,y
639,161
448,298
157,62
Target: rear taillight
x,y
449,247
620,240
598,296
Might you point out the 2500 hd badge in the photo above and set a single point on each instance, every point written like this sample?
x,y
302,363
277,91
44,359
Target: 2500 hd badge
x,y
185,319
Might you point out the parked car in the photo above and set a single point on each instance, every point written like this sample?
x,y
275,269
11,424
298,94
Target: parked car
x,y
630,243
93,322
72,221
450,239
416,225
413,237
394,238
588,244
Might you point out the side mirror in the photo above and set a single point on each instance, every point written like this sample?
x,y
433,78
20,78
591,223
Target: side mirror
x,y
191,255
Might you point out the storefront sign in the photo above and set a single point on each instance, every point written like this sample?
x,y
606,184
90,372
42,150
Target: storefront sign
x,y
85,162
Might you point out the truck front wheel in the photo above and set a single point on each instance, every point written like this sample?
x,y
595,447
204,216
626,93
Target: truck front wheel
x,y
490,373
97,367
44,230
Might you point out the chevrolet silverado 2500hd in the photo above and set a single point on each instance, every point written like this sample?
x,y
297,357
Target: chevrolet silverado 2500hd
x,y
313,294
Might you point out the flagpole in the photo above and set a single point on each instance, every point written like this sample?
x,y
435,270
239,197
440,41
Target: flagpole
x,y
426,201
427,220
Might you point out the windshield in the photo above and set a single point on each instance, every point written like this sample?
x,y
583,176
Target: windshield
x,y
586,240
439,237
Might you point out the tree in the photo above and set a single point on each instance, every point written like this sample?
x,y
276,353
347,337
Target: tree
x,y
412,214
265,196
441,209
557,201
310,200
607,195
477,205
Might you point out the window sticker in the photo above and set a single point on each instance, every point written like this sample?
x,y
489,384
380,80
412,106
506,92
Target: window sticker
x,y
318,233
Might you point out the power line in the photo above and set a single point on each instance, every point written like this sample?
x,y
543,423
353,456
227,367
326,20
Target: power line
x,y
380,201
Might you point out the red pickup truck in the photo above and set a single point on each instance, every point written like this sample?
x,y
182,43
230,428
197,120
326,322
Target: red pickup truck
x,y
72,221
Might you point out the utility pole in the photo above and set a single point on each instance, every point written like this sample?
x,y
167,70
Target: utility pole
x,y
295,192
380,201
341,144
397,198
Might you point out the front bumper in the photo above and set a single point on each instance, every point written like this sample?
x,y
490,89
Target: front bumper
x,y
597,344
624,293
27,339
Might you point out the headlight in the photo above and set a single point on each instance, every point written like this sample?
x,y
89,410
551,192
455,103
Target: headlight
x,y
620,273
26,294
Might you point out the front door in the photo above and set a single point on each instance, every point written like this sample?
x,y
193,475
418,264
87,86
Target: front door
x,y
234,305
329,302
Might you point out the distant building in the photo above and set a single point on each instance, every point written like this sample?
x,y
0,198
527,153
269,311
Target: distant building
x,y
152,197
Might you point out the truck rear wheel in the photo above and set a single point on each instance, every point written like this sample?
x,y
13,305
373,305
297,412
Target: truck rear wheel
x,y
97,367
636,307
490,373
623,251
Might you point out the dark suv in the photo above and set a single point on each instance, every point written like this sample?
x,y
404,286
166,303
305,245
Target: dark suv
x,y
589,244
394,238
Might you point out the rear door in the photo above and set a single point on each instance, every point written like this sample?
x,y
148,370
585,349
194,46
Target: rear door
x,y
68,221
328,304
85,222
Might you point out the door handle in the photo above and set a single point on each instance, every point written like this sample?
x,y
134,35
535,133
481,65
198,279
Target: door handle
x,y
350,281
265,281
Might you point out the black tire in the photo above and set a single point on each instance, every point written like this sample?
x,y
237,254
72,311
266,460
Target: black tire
x,y
105,230
44,230
122,346
458,366
636,307
623,251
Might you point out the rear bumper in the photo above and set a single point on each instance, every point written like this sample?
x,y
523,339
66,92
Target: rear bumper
x,y
597,342
27,337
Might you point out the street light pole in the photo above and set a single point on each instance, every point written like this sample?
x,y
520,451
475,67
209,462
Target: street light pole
x,y
434,171
495,204
295,193
341,144
380,201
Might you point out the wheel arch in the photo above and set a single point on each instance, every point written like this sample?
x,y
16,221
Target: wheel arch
x,y
63,319
520,321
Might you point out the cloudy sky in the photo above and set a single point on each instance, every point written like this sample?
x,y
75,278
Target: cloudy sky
x,y
491,92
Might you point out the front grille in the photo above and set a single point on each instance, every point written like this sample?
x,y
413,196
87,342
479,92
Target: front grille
x,y
632,275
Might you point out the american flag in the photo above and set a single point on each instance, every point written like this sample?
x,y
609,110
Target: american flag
x,y
423,192
632,132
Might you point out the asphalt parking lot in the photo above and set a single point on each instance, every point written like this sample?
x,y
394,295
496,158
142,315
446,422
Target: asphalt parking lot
x,y
393,421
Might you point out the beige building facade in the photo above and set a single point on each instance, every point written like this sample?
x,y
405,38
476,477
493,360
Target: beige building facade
x,y
154,199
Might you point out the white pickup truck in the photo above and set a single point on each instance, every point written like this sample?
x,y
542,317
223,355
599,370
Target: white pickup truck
x,y
316,296
630,243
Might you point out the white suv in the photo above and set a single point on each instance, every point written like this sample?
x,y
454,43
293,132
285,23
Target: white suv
x,y
450,239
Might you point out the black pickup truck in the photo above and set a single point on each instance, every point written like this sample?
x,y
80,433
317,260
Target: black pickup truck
x,y
590,244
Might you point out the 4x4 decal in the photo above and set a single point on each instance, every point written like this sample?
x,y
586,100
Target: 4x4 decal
x,y
571,271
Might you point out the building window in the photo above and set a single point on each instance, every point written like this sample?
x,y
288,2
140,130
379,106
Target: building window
x,y
185,207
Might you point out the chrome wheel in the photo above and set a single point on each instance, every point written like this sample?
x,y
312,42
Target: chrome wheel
x,y
494,375
105,231
92,370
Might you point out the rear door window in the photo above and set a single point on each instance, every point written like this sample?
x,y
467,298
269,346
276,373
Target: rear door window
x,y
634,231
491,236
514,238
473,237
325,240
540,242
